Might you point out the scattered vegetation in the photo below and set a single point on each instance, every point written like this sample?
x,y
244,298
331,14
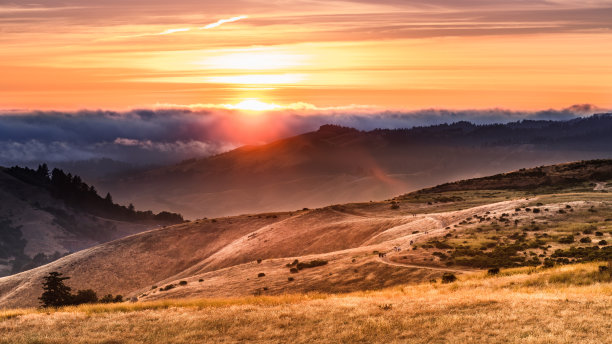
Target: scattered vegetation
x,y
57,294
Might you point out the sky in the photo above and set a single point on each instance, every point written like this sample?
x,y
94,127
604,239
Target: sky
x,y
520,55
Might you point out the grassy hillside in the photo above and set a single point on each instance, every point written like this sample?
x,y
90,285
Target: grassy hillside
x,y
564,304
422,235
43,218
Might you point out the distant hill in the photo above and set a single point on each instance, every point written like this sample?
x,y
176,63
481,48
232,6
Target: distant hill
x,y
337,165
45,215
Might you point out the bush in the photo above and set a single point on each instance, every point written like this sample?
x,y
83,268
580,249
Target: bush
x,y
261,274
259,261
201,280
294,270
108,298
566,240
311,264
183,283
168,287
602,243
84,296
536,210
290,279
585,240
598,234
603,268
493,271
448,278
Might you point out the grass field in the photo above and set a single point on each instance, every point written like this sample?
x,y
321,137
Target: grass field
x,y
566,304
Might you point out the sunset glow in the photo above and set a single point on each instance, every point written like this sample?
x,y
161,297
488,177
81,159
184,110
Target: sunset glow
x,y
516,54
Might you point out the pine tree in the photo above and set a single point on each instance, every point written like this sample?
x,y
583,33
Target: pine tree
x,y
56,293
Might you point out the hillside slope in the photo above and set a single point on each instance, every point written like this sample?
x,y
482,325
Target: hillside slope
x,y
225,256
340,165
37,227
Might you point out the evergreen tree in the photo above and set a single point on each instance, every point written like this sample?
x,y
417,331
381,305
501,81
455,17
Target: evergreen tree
x,y
56,293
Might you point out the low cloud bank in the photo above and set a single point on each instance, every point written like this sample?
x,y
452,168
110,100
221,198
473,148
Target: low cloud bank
x,y
168,135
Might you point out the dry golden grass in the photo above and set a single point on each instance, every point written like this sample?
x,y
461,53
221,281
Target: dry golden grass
x,y
568,304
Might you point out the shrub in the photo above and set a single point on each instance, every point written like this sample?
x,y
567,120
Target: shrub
x,y
290,279
294,263
154,287
259,261
183,283
311,264
448,277
602,243
603,268
585,240
109,298
598,234
168,287
261,274
294,270
200,280
536,210
493,271
84,296
566,239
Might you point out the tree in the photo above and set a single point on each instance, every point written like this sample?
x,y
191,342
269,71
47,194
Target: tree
x,y
56,293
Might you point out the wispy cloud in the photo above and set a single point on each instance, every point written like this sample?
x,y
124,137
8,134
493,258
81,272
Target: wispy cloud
x,y
222,21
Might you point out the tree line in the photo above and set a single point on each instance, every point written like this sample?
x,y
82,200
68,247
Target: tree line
x,y
78,194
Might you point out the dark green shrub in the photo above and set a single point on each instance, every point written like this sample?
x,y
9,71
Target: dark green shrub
x,y
183,283
448,277
598,234
585,240
84,296
261,274
566,239
602,243
603,268
290,279
168,287
109,298
294,270
259,261
201,280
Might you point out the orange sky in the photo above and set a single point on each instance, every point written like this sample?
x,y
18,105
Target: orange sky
x,y
513,54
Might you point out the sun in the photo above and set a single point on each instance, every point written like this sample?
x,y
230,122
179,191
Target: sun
x,y
254,104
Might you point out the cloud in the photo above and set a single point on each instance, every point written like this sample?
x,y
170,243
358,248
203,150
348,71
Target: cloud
x,y
170,133
222,21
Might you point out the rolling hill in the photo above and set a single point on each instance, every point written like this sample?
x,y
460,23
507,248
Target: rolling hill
x,y
340,165
41,222
411,238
